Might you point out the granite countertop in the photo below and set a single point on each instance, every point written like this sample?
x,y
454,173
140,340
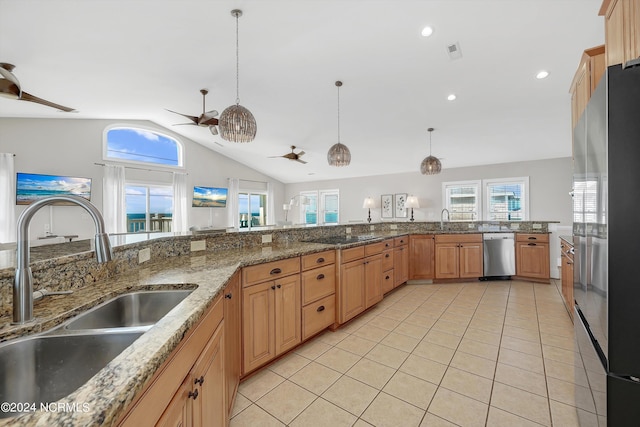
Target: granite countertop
x,y
112,389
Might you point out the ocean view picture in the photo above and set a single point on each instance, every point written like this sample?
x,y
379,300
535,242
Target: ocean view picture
x,y
32,187
209,197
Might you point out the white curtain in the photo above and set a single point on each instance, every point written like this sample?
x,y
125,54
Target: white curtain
x,y
271,214
114,207
7,199
232,203
179,221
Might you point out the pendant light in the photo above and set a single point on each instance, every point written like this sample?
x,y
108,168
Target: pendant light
x,y
430,165
339,154
236,123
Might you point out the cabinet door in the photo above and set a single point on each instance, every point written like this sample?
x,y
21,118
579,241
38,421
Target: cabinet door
x,y
351,293
614,33
471,260
288,313
447,261
532,260
373,280
400,265
258,325
209,405
232,337
421,257
178,412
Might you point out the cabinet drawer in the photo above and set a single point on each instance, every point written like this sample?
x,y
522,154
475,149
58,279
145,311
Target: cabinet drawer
x,y
387,281
352,254
318,283
458,238
387,259
270,271
388,244
318,260
318,316
533,237
373,248
399,241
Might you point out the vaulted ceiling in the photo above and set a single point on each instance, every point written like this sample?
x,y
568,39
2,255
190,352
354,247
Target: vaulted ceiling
x,y
133,59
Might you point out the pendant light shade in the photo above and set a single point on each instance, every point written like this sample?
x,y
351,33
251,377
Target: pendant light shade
x,y
236,122
430,165
339,154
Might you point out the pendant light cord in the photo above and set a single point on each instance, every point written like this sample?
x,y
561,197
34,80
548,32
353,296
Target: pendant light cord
x,y
237,62
338,114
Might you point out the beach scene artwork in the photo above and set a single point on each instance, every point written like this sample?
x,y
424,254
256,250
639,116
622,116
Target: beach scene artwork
x,y
32,187
209,197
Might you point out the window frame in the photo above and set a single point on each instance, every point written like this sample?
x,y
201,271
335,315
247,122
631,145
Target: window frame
x,y
148,185
320,206
523,180
469,183
249,193
149,165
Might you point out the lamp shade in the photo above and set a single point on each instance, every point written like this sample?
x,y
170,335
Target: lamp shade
x,y
339,155
431,166
369,203
237,124
412,202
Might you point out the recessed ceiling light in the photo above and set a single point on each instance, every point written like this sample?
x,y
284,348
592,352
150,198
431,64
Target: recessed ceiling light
x,y
542,75
451,97
427,31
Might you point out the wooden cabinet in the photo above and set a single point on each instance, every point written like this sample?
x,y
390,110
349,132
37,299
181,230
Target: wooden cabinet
x,y
532,256
190,388
566,268
387,269
271,319
318,292
622,30
232,338
400,260
458,256
360,279
586,79
421,256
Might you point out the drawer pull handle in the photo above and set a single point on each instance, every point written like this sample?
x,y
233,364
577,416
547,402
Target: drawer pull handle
x,y
321,308
275,271
320,277
193,394
401,241
532,238
386,255
229,295
273,287
531,244
386,245
320,260
278,286
387,278
199,380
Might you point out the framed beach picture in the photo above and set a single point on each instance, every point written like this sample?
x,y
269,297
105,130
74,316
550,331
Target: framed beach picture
x,y
31,187
386,204
399,202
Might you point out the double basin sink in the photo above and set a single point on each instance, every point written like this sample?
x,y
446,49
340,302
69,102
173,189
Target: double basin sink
x,y
44,368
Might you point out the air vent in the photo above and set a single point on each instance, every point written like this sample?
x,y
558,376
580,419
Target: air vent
x,y
454,51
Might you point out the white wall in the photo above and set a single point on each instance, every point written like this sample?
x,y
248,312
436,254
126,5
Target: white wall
x,y
549,185
72,146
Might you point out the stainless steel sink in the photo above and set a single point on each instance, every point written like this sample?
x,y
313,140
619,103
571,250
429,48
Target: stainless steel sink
x,y
136,309
43,369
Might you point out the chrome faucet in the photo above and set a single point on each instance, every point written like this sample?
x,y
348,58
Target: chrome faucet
x,y
442,217
23,284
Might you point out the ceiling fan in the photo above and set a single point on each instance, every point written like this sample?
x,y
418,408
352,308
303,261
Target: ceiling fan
x,y
292,155
207,118
10,88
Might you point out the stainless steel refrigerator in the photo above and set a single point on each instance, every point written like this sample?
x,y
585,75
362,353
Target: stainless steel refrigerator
x,y
606,237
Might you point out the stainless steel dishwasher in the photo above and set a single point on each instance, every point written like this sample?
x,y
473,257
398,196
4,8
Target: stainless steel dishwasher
x,y
499,254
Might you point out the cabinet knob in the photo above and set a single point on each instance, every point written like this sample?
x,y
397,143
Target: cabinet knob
x,y
386,255
320,260
387,278
278,286
199,380
531,244
321,308
320,277
273,287
275,271
228,296
193,394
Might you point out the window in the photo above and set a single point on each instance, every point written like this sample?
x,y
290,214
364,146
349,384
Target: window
x,y
585,201
507,199
149,207
462,200
139,145
323,207
252,208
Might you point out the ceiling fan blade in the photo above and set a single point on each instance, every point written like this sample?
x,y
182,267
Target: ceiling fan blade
x,y
301,161
300,154
211,113
209,122
275,157
28,97
194,119
214,130
184,124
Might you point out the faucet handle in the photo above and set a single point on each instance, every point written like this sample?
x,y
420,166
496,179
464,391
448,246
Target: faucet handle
x,y
38,295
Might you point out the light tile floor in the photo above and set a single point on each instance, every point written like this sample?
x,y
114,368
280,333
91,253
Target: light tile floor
x,y
469,354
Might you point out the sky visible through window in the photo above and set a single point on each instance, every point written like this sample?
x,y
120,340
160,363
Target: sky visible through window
x,y
141,145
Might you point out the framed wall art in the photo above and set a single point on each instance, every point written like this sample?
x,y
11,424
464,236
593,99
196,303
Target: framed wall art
x,y
386,204
399,201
